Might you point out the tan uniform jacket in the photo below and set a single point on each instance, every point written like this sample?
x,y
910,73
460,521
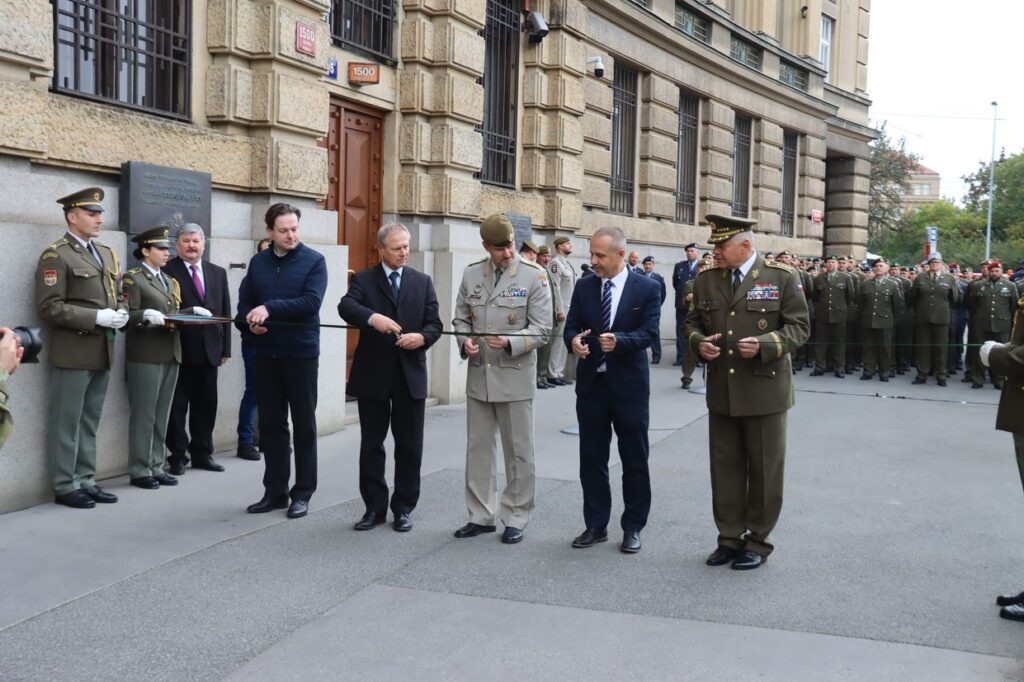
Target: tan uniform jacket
x,y
991,304
145,343
564,278
770,306
833,297
70,287
934,300
881,302
1008,361
518,307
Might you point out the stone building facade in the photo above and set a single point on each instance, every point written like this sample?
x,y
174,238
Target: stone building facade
x,y
571,114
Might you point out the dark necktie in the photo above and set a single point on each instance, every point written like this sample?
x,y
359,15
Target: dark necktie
x,y
160,278
497,275
394,284
737,279
606,317
198,283
95,253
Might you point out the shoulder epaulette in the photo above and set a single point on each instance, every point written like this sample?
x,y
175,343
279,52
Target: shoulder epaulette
x,y
780,266
531,264
134,271
707,270
478,262
60,242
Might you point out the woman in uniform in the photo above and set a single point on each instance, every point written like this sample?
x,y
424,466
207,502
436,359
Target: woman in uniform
x,y
153,354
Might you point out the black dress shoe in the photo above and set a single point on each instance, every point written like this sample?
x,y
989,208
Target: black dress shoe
x,y
370,521
656,362
75,499
1012,612
100,495
677,363
630,542
247,451
817,373
977,385
566,382
998,385
164,479
209,464
840,375
542,384
967,379
941,382
866,377
511,535
402,523
145,482
176,467
471,530
267,504
919,380
590,537
883,378
748,560
298,509
1003,600
686,382
722,555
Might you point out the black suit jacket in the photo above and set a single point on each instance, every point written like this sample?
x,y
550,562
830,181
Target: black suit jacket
x,y
635,326
682,274
203,344
377,358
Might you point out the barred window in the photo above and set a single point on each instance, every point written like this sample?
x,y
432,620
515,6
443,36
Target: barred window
x,y
741,167
686,162
501,82
692,24
623,139
364,25
793,75
135,53
789,157
745,53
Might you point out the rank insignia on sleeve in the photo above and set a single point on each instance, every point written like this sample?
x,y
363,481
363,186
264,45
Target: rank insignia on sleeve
x,y
50,277
49,255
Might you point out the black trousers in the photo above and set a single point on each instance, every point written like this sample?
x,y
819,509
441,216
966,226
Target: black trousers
x,y
195,396
598,413
286,386
404,415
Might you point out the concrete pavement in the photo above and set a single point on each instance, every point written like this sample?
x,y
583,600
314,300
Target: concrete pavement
x,y
901,524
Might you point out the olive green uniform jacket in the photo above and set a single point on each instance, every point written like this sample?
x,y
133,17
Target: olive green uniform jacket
x,y
881,303
770,306
70,287
146,343
991,305
934,300
833,297
1008,361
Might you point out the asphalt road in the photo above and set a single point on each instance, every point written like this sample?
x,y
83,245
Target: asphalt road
x,y
902,522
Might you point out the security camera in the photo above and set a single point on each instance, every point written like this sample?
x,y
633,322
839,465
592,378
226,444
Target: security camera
x,y
537,26
598,66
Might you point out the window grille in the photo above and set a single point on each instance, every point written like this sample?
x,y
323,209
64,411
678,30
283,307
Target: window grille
x,y
741,167
686,162
364,25
500,80
745,53
789,158
624,87
793,76
133,53
692,24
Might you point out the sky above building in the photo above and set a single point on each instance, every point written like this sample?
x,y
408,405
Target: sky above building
x,y
934,69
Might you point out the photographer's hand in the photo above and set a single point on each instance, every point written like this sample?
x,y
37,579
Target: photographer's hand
x,y
10,350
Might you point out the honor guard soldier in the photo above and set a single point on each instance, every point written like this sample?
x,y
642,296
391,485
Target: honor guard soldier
x,y
934,297
747,317
78,291
833,297
881,304
504,309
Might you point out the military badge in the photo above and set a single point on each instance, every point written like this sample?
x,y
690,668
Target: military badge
x,y
50,277
512,318
762,325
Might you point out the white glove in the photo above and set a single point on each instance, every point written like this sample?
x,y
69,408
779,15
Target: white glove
x,y
201,311
154,318
985,349
106,317
120,319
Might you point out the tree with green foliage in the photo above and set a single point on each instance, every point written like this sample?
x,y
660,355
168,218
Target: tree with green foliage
x,y
1008,208
891,164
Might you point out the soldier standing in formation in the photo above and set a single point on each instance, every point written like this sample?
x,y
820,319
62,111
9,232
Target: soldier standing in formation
x,y
564,277
78,290
991,303
854,350
747,317
833,297
503,309
934,297
881,303
557,305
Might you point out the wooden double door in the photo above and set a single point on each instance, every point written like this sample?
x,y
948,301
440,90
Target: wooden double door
x,y
355,169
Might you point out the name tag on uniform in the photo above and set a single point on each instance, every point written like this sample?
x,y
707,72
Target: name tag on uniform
x,y
514,291
763,292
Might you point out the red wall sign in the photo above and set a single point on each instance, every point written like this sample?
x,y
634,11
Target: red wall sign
x,y
816,216
363,73
305,38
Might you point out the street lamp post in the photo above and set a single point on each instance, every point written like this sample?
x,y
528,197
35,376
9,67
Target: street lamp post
x,y
991,186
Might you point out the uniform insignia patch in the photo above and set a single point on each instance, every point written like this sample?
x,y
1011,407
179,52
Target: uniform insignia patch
x,y
49,255
762,325
50,278
514,291
763,292
512,318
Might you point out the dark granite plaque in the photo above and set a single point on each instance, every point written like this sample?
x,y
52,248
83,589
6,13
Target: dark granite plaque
x,y
523,227
154,195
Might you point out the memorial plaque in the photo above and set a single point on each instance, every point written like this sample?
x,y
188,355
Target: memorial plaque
x,y
154,195
523,226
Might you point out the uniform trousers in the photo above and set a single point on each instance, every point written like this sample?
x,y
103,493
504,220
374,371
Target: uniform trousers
x,y
932,342
195,397
287,386
76,403
831,339
404,415
877,351
748,456
544,356
514,422
977,338
681,349
559,353
598,413
150,390
1018,446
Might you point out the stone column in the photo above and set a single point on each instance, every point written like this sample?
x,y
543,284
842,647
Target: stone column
x,y
659,130
597,136
811,187
766,190
715,188
846,206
